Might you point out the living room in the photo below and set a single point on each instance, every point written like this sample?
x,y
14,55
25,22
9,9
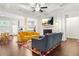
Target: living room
x,y
45,29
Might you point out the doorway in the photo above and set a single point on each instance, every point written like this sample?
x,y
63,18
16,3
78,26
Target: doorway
x,y
72,27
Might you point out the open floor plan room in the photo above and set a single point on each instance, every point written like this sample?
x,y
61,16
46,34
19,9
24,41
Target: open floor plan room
x,y
39,29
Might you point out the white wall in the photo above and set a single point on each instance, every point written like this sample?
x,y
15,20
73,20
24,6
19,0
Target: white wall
x,y
72,27
57,23
39,26
60,24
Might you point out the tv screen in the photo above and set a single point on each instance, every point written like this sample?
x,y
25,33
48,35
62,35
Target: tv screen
x,y
47,21
50,21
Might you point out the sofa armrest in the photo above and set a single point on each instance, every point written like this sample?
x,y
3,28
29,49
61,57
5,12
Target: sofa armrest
x,y
39,44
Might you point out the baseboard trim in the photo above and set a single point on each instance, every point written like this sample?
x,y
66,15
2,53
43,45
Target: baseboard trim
x,y
73,38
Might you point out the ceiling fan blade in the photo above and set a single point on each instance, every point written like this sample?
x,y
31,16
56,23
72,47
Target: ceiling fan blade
x,y
43,7
33,11
41,10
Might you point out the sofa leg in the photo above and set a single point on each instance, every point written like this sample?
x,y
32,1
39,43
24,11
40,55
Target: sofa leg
x,y
43,53
20,45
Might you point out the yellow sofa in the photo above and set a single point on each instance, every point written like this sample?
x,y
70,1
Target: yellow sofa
x,y
25,36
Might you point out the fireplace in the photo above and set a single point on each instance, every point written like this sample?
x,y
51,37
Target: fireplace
x,y
46,31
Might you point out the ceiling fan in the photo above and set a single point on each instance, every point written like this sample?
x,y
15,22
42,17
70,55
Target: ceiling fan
x,y
38,7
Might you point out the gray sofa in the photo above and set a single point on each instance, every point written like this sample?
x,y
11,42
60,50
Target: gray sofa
x,y
47,42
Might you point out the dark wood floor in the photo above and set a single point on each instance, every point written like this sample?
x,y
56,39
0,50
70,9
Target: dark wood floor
x,y
69,47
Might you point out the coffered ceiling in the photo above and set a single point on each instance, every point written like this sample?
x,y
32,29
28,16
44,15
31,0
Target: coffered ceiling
x,y
25,9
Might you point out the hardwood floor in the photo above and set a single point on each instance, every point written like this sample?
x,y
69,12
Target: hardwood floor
x,y
12,49
69,47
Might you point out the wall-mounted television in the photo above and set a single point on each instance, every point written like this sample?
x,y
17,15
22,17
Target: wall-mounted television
x,y
47,21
